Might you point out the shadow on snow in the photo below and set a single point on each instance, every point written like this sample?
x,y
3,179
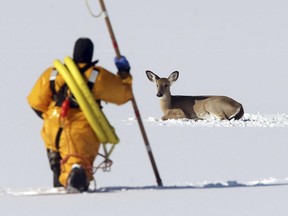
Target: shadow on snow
x,y
229,184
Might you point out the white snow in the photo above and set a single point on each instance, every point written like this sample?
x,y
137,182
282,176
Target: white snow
x,y
208,167
248,120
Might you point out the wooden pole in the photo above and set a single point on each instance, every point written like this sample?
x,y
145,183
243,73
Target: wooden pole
x,y
135,107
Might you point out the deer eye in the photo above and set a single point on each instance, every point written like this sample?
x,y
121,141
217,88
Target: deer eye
x,y
166,85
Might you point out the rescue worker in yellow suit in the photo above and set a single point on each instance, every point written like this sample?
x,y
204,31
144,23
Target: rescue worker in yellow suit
x,y
72,148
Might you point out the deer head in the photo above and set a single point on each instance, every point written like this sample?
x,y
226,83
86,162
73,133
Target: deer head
x,y
162,84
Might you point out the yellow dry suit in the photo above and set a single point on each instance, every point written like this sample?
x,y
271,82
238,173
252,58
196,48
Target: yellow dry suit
x,y
77,142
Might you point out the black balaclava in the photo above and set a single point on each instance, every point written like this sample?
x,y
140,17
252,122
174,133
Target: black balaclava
x,y
83,50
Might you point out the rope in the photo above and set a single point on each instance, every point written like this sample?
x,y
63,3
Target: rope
x,y
91,12
104,165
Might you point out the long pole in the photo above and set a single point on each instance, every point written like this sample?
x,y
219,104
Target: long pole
x,y
135,107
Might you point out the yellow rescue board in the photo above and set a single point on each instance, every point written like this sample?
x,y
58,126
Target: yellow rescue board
x,y
86,92
84,105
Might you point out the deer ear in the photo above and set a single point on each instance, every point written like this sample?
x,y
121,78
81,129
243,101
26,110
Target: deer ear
x,y
151,76
173,77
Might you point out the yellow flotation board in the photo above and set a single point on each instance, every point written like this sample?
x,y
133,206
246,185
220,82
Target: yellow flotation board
x,y
86,92
84,105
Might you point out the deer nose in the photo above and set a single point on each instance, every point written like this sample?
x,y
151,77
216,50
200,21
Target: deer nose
x,y
159,94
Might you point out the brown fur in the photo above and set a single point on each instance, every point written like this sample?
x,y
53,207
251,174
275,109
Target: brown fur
x,y
193,107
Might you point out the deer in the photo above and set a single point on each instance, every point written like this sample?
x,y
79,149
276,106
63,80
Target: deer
x,y
193,107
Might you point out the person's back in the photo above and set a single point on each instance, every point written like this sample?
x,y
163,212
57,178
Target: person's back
x,y
71,139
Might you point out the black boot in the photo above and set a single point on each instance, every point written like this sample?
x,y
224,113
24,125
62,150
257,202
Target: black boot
x,y
54,160
56,174
77,180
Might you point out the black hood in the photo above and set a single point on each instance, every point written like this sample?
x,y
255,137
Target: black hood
x,y
83,50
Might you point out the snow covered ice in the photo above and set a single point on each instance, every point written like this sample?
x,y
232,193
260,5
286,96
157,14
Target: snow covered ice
x,y
208,167
248,120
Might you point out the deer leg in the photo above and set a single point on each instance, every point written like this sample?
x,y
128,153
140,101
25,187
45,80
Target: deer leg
x,y
217,112
174,114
